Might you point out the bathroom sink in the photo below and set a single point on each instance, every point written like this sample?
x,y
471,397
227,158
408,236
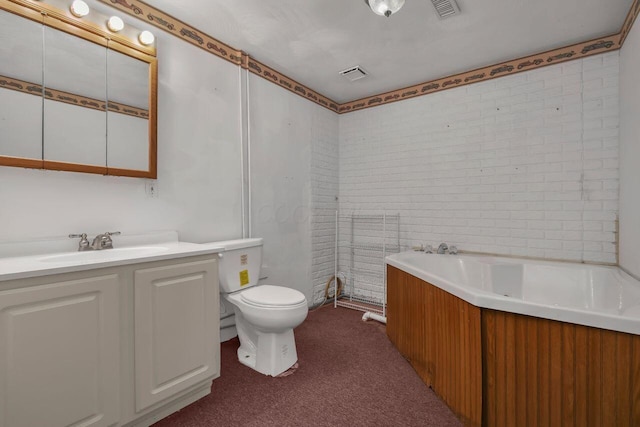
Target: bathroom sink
x,y
107,254
56,256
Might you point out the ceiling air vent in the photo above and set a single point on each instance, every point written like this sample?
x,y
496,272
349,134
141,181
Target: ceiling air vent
x,y
446,8
354,73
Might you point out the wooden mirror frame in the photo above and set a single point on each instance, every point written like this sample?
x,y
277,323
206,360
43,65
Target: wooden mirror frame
x,y
63,20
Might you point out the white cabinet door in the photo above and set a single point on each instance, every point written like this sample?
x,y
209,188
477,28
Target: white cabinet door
x,y
59,354
176,316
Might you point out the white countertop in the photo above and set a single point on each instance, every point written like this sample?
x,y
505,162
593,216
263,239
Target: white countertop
x,y
146,250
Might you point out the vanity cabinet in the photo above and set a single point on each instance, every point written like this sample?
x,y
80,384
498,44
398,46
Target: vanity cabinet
x,y
117,346
174,347
59,353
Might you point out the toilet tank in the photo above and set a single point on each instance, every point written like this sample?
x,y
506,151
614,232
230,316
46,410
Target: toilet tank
x,y
239,265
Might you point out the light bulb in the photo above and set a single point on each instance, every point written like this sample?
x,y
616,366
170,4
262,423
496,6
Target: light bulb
x,y
115,24
146,38
79,8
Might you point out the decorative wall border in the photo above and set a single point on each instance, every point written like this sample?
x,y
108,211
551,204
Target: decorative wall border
x,y
174,26
266,72
71,98
200,39
196,37
556,56
628,23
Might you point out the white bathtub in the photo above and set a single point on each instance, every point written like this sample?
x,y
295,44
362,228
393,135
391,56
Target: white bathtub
x,y
598,296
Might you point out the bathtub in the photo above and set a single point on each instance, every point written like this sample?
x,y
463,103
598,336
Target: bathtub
x,y
591,295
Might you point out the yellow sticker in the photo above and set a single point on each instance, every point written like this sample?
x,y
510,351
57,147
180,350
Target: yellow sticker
x,y
244,277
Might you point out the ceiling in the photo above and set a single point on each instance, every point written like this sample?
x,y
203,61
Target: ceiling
x,y
311,41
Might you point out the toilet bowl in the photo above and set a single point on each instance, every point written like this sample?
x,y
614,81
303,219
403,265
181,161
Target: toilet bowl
x,y
265,327
265,315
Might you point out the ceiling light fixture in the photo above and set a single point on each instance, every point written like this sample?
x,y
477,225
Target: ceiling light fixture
x,y
146,38
79,8
385,7
115,24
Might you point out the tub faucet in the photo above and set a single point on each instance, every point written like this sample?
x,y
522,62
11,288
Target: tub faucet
x,y
443,248
103,241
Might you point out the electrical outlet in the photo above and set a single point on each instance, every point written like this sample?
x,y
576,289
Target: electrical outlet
x,y
151,189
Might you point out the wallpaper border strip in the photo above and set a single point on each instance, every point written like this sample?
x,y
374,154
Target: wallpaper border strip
x,y
199,39
71,98
515,66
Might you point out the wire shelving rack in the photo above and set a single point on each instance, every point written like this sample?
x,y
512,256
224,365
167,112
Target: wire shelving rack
x,y
362,243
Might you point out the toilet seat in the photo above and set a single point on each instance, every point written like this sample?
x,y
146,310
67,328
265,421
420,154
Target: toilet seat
x,y
268,296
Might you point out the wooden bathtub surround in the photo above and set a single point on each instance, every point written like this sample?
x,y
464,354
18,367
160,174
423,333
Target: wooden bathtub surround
x,y
440,336
496,368
539,372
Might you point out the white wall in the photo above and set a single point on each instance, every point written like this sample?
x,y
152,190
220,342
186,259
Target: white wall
x,y
291,138
324,198
522,165
630,153
199,157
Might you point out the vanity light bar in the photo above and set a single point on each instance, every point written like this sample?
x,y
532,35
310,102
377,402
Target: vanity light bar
x,y
115,24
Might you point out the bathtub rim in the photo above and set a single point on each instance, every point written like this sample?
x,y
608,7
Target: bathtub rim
x,y
485,299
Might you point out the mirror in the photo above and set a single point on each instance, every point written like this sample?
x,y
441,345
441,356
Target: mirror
x,y
20,90
128,114
74,97
75,81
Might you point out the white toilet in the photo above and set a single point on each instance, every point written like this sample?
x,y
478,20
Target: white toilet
x,y
265,315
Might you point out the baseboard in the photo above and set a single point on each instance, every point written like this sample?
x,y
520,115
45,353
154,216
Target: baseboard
x,y
163,412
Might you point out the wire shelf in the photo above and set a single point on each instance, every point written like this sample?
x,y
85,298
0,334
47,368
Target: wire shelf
x,y
360,306
362,243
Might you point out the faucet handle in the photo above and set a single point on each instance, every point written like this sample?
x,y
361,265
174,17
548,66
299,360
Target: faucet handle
x,y
428,249
106,242
83,245
453,250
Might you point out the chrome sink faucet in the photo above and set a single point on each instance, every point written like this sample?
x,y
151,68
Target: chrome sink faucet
x,y
103,241
100,242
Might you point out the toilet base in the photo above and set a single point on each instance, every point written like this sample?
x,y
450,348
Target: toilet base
x,y
267,353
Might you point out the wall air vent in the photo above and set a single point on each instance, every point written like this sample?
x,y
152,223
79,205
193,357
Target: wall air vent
x,y
446,8
354,73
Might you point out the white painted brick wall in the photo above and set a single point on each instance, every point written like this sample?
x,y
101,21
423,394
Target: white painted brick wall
x,y
522,165
324,192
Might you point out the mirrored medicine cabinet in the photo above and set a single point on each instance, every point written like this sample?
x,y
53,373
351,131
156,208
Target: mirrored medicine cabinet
x,y
71,97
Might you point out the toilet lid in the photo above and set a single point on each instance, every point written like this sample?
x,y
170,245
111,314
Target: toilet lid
x,y
267,295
